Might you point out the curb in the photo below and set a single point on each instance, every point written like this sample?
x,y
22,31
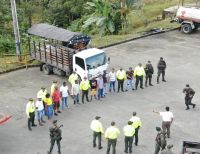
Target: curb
x,y
139,37
18,68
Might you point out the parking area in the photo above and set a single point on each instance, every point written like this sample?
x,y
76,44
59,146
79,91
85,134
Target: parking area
x,y
182,55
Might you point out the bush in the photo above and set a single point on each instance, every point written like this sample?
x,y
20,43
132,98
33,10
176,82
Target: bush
x,y
7,44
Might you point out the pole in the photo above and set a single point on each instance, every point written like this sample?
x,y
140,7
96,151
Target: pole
x,y
15,27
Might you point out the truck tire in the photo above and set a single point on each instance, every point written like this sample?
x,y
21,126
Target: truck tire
x,y
46,69
186,28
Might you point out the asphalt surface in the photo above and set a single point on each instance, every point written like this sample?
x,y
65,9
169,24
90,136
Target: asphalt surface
x,y
181,53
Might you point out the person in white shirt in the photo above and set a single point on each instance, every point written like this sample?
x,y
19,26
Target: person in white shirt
x,y
76,92
112,79
40,111
64,92
167,119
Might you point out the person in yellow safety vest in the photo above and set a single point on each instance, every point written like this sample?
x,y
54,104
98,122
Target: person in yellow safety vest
x,y
129,132
121,76
97,129
30,111
136,124
111,135
72,78
84,87
138,74
55,84
42,93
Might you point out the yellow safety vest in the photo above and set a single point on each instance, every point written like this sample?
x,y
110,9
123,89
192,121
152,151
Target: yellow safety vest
x,y
139,71
30,107
53,88
72,78
136,122
96,126
42,94
129,131
121,75
112,132
84,85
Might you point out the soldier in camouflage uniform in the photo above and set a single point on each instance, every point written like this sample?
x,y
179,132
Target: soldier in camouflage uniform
x,y
160,141
55,136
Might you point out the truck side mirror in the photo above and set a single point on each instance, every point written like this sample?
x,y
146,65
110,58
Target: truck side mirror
x,y
108,59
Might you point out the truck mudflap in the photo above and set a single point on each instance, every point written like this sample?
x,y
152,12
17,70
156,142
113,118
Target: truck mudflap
x,y
191,147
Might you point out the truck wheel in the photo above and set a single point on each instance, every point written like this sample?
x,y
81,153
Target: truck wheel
x,y
186,28
47,69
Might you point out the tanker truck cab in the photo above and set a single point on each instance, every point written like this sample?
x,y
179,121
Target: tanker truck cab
x,y
90,62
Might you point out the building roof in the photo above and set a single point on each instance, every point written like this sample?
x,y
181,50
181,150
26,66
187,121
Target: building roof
x,y
52,32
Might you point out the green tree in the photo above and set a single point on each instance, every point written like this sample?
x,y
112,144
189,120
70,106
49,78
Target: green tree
x,y
103,15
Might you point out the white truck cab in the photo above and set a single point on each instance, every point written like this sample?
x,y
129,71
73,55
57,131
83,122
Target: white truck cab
x,y
90,63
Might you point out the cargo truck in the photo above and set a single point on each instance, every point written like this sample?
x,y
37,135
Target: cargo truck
x,y
61,51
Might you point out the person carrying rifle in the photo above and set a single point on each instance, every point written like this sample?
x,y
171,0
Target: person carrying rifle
x,y
55,136
160,141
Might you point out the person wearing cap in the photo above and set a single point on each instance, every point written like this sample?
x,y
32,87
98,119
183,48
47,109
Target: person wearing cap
x,y
149,72
130,80
189,94
167,119
97,129
54,84
112,80
48,106
30,111
111,135
100,87
129,132
161,69
64,93
55,136
121,76
73,77
139,73
42,93
160,141
136,125
93,89
40,111
84,87
168,150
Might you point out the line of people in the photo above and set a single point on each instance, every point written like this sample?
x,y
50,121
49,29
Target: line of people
x,y
130,131
49,104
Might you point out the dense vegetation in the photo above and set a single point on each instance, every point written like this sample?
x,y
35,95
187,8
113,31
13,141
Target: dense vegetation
x,y
94,17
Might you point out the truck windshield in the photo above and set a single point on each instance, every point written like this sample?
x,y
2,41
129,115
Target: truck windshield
x,y
95,61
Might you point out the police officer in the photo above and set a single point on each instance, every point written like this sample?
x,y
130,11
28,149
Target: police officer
x,y
30,111
121,76
168,150
189,94
138,74
160,141
97,129
73,77
129,132
136,124
149,71
161,69
85,86
111,135
55,136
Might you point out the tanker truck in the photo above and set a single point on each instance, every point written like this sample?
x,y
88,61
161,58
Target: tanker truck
x,y
189,18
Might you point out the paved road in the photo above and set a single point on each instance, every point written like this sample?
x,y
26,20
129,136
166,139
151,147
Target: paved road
x,y
181,53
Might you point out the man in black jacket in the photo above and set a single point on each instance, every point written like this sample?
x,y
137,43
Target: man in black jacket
x,y
161,69
149,71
